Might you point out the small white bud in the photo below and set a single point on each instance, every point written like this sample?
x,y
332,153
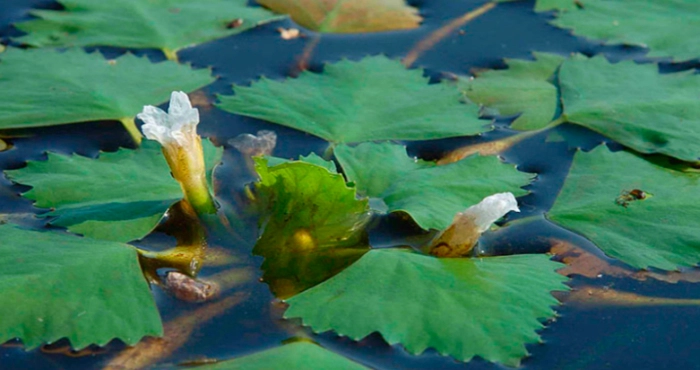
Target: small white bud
x,y
176,127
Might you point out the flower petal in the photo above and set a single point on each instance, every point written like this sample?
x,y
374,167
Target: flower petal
x,y
491,208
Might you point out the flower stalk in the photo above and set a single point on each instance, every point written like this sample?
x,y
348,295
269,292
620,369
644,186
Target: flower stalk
x,y
176,131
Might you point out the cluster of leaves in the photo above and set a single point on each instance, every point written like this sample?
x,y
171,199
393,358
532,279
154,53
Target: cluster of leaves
x,y
635,105
314,225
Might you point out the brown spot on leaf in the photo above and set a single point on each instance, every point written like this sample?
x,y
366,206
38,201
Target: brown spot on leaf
x,y
628,196
234,23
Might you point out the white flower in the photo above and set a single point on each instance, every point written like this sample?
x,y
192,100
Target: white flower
x,y
462,235
176,131
490,209
178,125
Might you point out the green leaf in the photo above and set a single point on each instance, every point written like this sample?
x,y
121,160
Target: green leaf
x,y
293,356
339,16
373,99
462,307
634,105
646,23
56,285
120,196
168,25
660,231
313,225
431,194
524,87
312,158
561,5
42,87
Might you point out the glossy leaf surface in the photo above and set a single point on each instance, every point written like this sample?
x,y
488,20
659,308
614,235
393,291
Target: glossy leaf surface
x,y
462,307
168,25
525,88
634,105
43,87
56,285
312,158
313,225
598,201
646,23
373,99
431,194
119,196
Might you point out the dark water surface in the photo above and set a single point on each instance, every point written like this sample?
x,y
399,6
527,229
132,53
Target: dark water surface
x,y
596,338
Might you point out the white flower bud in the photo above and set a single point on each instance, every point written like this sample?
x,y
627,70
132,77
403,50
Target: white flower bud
x,y
176,127
176,131
461,236
491,209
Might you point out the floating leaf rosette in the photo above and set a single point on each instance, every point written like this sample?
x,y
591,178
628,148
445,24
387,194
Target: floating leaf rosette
x,y
120,196
44,87
461,307
630,103
340,16
374,99
56,285
168,25
643,213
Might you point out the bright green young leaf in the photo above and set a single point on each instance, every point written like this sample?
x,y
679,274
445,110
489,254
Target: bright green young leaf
x,y
634,105
312,158
313,225
43,87
56,285
120,196
598,202
525,87
168,25
462,307
293,356
431,194
662,26
373,99
340,16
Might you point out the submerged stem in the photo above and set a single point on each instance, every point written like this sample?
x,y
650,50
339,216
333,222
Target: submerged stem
x,y
493,147
439,34
130,126
303,61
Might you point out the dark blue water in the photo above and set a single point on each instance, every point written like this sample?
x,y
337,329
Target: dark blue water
x,y
599,338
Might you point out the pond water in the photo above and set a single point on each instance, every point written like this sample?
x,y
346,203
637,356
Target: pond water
x,y
580,338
